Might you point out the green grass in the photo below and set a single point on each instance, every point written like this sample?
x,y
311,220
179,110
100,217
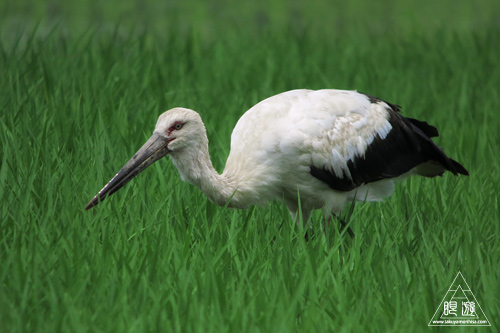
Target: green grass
x,y
78,99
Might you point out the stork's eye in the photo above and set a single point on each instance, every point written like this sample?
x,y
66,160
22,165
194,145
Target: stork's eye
x,y
175,127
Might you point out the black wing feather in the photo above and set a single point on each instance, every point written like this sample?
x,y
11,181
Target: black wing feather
x,y
406,146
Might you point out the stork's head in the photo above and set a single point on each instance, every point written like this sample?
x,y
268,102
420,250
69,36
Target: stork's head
x,y
176,129
181,128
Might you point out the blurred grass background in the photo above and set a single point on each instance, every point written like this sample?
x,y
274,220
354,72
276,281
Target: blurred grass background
x,y
227,18
82,85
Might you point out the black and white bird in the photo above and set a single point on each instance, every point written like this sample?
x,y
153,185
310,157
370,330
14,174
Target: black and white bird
x,y
326,147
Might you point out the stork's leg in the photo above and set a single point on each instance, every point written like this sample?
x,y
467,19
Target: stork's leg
x,y
304,217
343,226
327,217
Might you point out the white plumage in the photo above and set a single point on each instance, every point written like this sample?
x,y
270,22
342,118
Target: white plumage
x,y
329,146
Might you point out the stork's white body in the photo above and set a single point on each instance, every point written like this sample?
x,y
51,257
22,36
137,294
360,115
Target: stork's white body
x,y
275,143
327,147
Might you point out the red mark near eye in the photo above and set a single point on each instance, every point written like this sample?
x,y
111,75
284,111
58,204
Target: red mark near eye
x,y
175,126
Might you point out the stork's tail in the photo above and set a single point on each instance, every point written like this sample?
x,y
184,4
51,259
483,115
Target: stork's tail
x,y
435,168
457,168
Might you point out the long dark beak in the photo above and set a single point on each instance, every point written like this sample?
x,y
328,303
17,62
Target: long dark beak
x,y
154,149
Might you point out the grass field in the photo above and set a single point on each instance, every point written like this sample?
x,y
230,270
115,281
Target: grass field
x,y
81,88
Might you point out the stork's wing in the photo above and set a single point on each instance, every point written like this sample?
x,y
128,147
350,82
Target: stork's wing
x,y
407,145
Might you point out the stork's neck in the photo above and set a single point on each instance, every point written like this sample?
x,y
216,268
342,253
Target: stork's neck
x,y
195,167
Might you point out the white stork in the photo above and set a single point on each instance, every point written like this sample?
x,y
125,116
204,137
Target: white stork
x,y
328,146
